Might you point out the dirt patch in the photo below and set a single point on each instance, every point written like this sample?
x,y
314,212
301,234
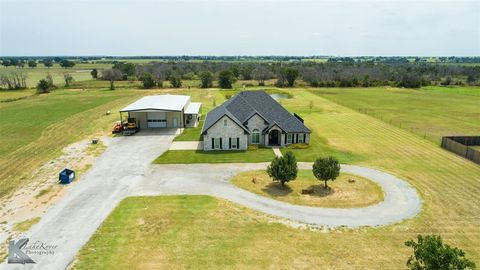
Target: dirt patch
x,y
31,201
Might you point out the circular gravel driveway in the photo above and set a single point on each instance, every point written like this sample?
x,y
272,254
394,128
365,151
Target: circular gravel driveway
x,y
401,200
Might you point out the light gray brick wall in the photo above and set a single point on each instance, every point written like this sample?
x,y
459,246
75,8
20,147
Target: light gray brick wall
x,y
219,130
256,122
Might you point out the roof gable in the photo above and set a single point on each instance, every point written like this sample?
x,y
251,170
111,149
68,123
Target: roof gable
x,y
244,105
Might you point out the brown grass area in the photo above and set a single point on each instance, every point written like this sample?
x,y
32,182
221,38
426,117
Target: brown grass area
x,y
340,193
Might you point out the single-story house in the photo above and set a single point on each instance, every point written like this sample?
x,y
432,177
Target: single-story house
x,y
252,117
164,111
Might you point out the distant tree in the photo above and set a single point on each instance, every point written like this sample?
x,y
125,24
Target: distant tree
x,y
206,78
447,81
261,73
410,81
226,79
47,62
67,63
32,63
49,79
283,169
68,79
6,63
246,71
128,69
94,73
175,81
43,86
14,62
470,79
112,75
429,253
366,81
13,80
291,75
326,169
20,63
147,80
287,77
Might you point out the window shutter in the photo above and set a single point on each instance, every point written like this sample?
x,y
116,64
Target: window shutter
x,y
238,143
213,143
221,143
230,143
304,137
296,138
285,141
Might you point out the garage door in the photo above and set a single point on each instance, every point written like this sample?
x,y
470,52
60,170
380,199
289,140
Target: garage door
x,y
156,119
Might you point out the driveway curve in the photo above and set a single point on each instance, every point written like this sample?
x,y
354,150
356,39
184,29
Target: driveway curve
x,y
401,201
125,169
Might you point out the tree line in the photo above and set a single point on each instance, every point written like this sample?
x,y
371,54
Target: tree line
x,y
338,73
32,63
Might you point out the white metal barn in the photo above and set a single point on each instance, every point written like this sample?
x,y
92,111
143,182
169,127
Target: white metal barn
x,y
164,111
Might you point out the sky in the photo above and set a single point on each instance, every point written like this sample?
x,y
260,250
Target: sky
x,y
235,27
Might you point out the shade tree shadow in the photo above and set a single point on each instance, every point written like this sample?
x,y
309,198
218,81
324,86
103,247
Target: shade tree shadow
x,y
276,189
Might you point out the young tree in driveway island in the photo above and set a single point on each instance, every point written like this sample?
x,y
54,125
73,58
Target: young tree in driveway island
x,y
326,169
283,169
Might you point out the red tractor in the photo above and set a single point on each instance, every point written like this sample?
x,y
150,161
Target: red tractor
x,y
118,128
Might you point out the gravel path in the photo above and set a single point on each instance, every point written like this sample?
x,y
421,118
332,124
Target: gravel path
x,y
125,169
75,218
401,200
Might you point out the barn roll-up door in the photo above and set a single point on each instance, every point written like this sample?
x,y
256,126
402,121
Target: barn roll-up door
x,y
156,119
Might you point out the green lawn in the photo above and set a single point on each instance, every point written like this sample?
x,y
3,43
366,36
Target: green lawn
x,y
430,112
199,156
191,134
448,185
202,232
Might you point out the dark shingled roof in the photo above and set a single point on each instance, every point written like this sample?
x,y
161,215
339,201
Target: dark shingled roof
x,y
247,103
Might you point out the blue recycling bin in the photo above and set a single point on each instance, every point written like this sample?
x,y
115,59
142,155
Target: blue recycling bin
x,y
66,176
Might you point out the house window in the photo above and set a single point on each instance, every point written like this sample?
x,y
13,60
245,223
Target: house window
x,y
300,138
216,143
225,122
289,138
256,136
234,144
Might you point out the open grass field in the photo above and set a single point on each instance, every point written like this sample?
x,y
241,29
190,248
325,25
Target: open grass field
x,y
38,127
340,193
14,95
80,72
448,185
430,112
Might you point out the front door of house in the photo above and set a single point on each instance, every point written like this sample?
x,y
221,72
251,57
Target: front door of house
x,y
175,122
274,137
